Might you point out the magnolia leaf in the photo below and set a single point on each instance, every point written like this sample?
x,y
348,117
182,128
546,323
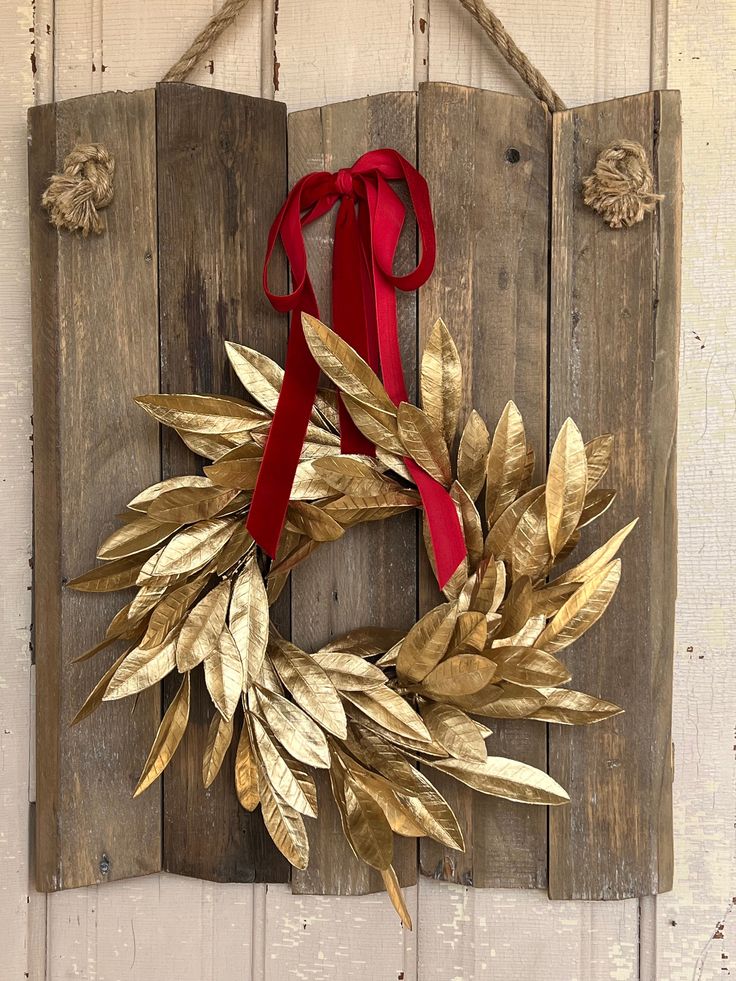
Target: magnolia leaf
x,y
168,737
237,469
499,536
248,620
433,814
309,484
514,702
142,501
294,729
279,774
398,816
529,666
488,593
189,550
365,641
441,381
353,510
516,609
506,463
454,730
460,675
526,636
470,523
470,633
284,824
547,600
201,630
261,377
380,426
169,612
118,574
567,477
348,672
95,697
472,455
426,643
394,463
596,560
596,503
391,884
529,545
246,770
358,476
139,535
237,547
598,455
314,522
575,708
300,552
586,605
344,366
209,447
390,711
219,737
186,504
223,674
209,414
142,669
501,777
423,440
310,685
368,830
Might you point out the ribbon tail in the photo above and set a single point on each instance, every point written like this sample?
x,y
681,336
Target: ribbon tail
x,y
445,531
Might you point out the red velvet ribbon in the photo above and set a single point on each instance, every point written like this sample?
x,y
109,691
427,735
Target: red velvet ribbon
x,y
369,222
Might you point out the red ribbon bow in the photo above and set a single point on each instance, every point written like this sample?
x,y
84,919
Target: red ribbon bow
x,y
369,223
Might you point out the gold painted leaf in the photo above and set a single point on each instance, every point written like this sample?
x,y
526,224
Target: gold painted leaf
x,y
313,522
441,381
310,685
514,702
211,415
358,476
433,814
237,469
365,641
517,608
506,463
201,630
209,447
168,737
348,672
248,620
354,510
142,501
575,708
301,551
148,596
189,550
472,455
294,729
246,770
261,377
488,593
390,711
470,523
470,633
396,464
549,599
596,503
510,779
529,545
118,574
464,674
499,536
219,737
586,605
236,548
567,478
309,484
426,643
142,669
279,774
530,667
170,611
598,455
344,366
380,426
284,824
95,697
525,637
398,816
223,674
596,560
391,884
367,828
141,534
186,504
454,730
423,440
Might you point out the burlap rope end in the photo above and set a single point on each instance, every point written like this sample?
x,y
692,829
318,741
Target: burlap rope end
x,y
74,197
621,187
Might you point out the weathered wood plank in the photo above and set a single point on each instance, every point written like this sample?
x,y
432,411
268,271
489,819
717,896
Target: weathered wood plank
x,y
486,157
369,577
95,345
614,351
215,208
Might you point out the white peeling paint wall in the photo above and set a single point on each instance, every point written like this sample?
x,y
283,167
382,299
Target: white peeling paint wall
x,y
308,52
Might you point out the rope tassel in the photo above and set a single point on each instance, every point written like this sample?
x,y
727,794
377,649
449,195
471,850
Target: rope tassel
x,y
74,197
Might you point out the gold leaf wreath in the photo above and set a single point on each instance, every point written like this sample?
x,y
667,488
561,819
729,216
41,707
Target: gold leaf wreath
x,y
371,705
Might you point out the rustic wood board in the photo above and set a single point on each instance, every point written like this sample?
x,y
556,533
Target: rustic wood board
x,y
214,210
94,346
614,352
486,158
370,576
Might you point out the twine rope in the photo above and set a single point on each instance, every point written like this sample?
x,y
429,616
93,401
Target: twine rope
x,y
75,197
202,43
621,186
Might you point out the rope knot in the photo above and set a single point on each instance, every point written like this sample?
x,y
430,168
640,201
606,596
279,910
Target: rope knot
x,y
621,187
85,186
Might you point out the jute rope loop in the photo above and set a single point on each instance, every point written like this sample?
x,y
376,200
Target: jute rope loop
x,y
74,197
621,187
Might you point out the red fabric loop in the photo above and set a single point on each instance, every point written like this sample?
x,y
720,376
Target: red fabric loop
x,y
367,231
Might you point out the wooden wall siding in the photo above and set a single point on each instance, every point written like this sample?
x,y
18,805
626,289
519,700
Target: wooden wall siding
x,y
369,577
95,343
214,210
486,157
613,367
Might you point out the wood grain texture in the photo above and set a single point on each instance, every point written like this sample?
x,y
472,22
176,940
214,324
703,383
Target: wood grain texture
x,y
94,347
614,348
215,209
369,577
486,158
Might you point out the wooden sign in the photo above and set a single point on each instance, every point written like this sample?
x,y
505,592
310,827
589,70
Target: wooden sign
x,y
549,306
